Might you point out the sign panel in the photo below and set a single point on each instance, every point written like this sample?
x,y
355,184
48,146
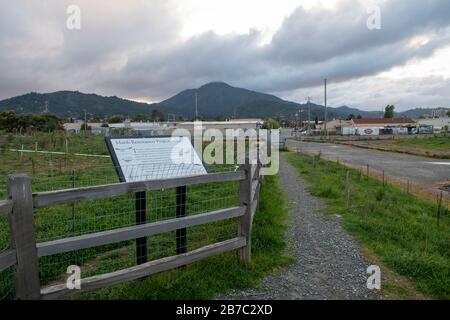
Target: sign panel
x,y
153,158
368,131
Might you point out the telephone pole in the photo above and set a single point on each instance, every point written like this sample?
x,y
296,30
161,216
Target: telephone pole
x,y
196,107
46,107
325,117
85,121
309,115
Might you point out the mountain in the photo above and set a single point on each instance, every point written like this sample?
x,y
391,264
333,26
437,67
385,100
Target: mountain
x,y
344,110
219,99
214,99
73,104
421,112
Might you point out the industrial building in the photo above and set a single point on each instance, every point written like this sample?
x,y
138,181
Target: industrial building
x,y
375,127
162,128
438,124
368,127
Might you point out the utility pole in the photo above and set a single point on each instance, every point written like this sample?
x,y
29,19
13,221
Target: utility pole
x,y
46,107
85,122
196,107
309,115
299,117
325,118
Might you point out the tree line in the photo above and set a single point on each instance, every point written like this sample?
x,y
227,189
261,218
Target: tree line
x,y
45,122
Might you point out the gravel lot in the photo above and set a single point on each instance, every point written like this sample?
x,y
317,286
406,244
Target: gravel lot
x,y
328,264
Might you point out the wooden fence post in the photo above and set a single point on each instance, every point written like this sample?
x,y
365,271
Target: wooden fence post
x,y
23,238
245,222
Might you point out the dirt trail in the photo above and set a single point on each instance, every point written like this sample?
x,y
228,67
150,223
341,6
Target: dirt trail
x,y
328,263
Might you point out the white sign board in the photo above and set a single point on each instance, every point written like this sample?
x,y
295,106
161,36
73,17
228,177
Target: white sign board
x,y
140,159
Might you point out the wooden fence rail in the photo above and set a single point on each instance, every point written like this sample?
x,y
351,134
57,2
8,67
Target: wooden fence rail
x,y
25,250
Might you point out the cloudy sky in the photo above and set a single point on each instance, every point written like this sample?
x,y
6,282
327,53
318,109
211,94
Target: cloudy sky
x,y
150,50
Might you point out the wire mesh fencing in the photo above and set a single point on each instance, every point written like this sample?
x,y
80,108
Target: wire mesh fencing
x,y
6,276
85,217
50,171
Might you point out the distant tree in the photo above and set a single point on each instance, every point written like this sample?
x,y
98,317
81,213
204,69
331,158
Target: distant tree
x,y
448,113
316,120
389,112
104,125
272,124
10,122
139,118
115,119
157,115
351,117
48,122
359,116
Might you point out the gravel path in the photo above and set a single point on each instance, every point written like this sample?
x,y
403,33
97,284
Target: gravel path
x,y
328,264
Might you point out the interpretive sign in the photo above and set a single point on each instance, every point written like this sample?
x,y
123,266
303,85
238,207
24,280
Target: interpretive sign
x,y
140,159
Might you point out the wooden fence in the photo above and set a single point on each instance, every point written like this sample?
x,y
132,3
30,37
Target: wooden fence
x,y
25,250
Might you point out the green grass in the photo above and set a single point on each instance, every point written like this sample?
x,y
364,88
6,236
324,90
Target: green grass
x,y
218,274
434,143
398,228
56,141
52,172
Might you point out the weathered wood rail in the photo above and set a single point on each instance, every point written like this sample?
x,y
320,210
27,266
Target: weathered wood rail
x,y
24,250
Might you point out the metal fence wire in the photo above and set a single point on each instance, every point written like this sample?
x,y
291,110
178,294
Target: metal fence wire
x,y
6,276
50,171
84,217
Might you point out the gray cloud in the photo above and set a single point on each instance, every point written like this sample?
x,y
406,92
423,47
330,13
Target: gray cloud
x,y
135,50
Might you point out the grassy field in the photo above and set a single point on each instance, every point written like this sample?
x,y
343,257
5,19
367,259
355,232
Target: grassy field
x,y
436,146
434,143
52,172
399,229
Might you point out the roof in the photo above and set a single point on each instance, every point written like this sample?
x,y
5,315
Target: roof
x,y
383,121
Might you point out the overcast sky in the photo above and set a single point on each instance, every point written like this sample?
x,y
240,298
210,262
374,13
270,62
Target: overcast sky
x,y
151,50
